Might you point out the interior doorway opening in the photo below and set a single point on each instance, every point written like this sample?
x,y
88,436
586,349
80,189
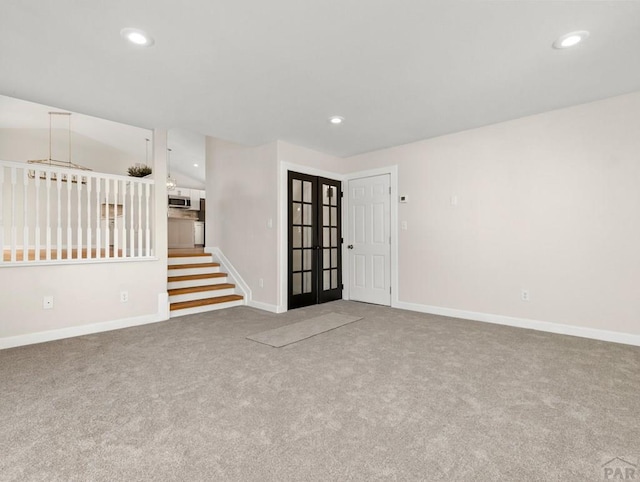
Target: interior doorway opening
x,y
186,189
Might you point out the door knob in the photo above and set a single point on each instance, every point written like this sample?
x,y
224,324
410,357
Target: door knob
x,y
350,246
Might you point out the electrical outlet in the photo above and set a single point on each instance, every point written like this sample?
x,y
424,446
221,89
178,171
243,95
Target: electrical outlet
x,y
124,296
403,225
261,283
524,295
47,303
454,200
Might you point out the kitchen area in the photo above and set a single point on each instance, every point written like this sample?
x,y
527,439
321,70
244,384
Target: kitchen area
x,y
186,213
186,190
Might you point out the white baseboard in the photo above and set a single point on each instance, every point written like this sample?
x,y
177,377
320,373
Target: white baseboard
x,y
240,283
228,267
72,331
163,306
559,328
263,306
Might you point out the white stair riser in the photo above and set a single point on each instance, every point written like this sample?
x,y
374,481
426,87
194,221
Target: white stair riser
x,y
191,260
202,309
196,282
190,271
201,295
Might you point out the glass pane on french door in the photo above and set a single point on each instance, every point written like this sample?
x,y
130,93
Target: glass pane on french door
x,y
330,263
302,240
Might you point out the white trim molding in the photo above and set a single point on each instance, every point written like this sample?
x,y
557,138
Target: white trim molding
x,y
111,260
546,326
240,283
73,331
164,311
229,268
264,306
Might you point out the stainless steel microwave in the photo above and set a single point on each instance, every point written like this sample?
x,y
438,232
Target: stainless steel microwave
x,y
179,202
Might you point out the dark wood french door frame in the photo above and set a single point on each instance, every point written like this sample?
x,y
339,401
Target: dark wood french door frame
x,y
314,240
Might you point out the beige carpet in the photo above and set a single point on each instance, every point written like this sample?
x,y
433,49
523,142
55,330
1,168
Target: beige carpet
x,y
404,396
295,332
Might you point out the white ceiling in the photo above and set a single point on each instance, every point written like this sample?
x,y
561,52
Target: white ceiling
x,y
253,71
187,156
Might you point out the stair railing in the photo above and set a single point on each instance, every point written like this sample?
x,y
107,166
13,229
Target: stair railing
x,y
52,214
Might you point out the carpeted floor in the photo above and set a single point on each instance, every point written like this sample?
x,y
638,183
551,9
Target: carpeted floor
x,y
395,396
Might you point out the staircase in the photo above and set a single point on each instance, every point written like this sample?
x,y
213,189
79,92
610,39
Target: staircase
x,y
195,284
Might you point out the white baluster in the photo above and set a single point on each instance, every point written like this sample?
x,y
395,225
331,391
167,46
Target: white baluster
x,y
98,216
132,232
69,235
25,217
139,219
147,233
89,229
107,228
14,228
79,228
14,237
37,227
48,228
116,234
59,225
124,218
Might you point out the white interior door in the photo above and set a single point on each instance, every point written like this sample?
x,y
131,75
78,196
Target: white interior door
x,y
369,240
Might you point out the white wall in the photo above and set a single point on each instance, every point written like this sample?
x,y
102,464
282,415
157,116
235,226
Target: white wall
x,y
87,296
83,295
187,149
241,199
243,194
186,181
290,153
550,203
21,145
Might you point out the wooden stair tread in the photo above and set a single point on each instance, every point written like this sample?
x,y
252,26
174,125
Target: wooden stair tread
x,y
194,265
204,302
196,276
199,289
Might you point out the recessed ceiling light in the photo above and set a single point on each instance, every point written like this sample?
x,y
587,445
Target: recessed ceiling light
x,y
195,165
570,39
137,37
336,119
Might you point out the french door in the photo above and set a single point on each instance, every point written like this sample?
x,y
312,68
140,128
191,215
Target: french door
x,y
315,240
